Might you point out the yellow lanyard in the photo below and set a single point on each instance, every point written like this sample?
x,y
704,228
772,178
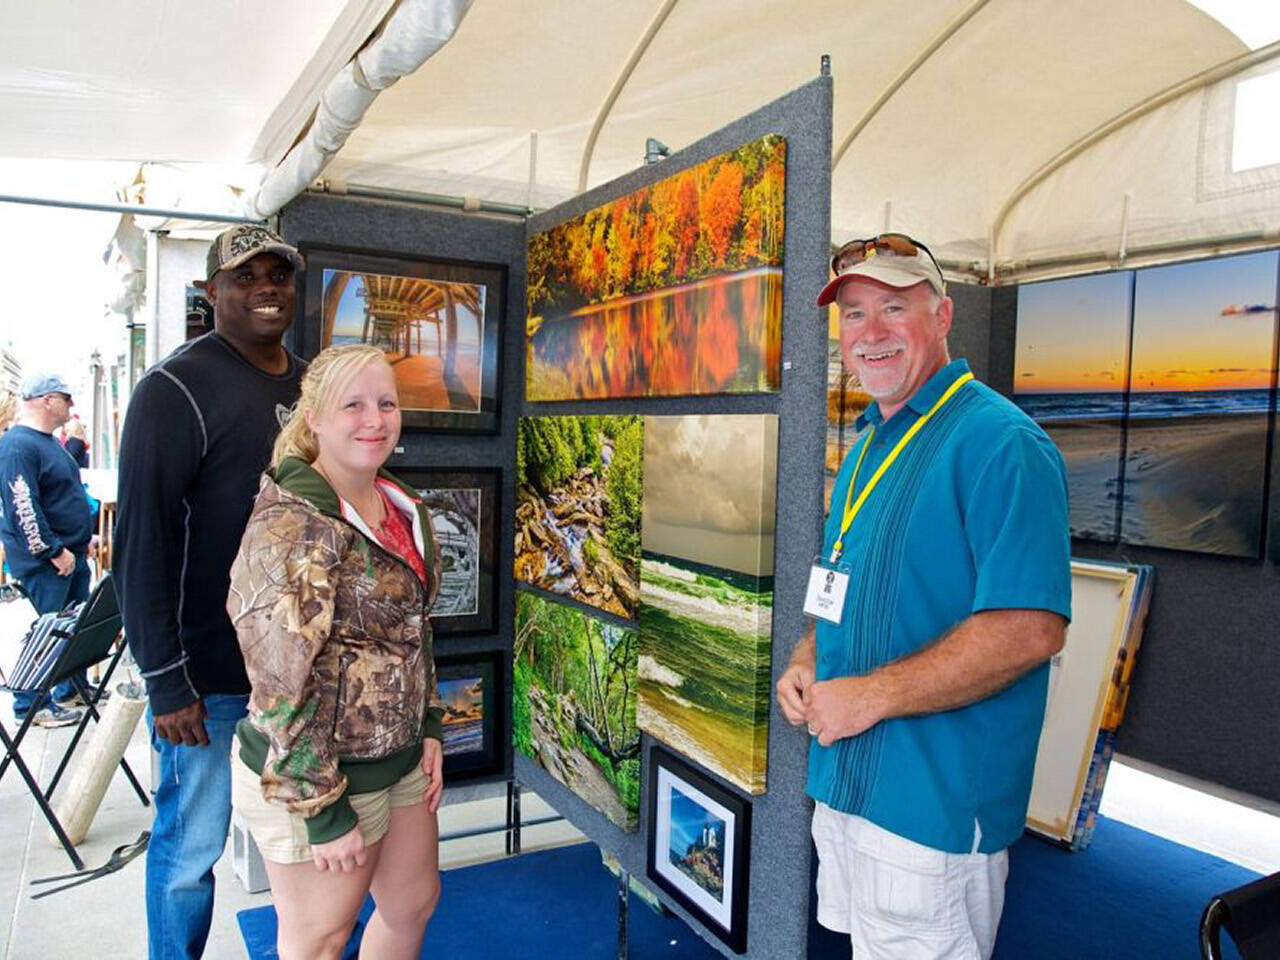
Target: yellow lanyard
x,y
851,508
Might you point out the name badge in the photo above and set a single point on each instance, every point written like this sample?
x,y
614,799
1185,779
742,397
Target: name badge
x,y
825,597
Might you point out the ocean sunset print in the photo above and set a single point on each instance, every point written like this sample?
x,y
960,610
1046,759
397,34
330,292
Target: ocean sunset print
x,y
1204,337
1070,374
1165,438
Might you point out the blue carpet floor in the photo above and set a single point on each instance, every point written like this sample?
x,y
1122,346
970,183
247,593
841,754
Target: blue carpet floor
x,y
1130,894
548,905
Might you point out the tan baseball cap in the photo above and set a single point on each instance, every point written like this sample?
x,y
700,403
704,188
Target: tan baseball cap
x,y
893,259
242,243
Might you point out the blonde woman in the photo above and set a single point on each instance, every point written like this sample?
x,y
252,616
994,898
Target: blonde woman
x,y
337,768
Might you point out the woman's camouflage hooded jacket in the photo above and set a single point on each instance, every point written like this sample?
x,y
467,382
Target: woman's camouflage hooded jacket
x,y
337,645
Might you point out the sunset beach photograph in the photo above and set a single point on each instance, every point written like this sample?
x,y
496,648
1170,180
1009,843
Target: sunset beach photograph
x,y
1162,420
1070,375
1200,393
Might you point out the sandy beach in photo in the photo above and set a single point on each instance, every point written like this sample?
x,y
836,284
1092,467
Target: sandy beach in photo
x,y
1091,449
1195,483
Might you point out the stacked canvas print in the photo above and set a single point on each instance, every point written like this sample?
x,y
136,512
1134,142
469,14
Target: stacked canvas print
x,y
706,589
669,520
578,508
574,703
1087,694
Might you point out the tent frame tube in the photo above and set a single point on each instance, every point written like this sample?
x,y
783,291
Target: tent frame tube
x,y
907,72
132,208
1159,252
466,204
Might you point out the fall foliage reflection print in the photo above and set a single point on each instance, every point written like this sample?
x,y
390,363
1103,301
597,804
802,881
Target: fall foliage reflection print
x,y
673,290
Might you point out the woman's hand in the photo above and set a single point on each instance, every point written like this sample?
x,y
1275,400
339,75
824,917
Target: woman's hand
x,y
433,767
342,855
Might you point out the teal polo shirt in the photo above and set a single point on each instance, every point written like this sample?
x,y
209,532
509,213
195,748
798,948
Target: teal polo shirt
x,y
972,516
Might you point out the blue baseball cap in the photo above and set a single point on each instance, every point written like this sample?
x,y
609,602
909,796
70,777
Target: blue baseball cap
x,y
42,384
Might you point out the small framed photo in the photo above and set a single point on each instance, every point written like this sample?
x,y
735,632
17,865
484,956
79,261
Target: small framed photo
x,y
464,517
439,322
472,688
700,845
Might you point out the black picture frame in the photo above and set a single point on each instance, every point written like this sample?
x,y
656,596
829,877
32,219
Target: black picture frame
x,y
725,913
488,757
490,283
483,618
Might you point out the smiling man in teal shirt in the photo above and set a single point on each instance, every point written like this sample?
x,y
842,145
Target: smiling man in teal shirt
x,y
925,701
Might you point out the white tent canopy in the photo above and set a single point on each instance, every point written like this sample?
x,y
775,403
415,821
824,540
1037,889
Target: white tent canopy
x,y
1049,135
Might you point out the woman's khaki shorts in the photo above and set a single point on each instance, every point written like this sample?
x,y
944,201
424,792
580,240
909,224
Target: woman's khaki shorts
x,y
282,835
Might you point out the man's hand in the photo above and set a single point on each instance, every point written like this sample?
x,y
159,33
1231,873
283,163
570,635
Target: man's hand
x,y
844,707
183,727
342,855
793,685
793,688
433,767
64,563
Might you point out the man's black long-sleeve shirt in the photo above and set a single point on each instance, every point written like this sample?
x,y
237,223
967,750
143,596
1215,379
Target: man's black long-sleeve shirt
x,y
197,436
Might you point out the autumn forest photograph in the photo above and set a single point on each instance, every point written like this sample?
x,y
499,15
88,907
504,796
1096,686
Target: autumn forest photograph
x,y
675,289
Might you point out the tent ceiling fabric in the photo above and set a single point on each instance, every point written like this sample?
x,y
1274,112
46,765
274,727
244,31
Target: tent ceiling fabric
x,y
219,81
1019,82
1015,85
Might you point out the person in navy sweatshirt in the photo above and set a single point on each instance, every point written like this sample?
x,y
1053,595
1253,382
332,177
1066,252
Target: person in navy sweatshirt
x,y
45,522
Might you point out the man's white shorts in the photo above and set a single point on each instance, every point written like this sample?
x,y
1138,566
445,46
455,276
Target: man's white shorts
x,y
899,900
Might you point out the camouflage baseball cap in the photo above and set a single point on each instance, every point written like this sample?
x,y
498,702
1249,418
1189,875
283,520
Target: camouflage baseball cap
x,y
242,243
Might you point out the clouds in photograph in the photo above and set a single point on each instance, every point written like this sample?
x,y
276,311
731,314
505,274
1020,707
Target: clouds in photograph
x,y
710,487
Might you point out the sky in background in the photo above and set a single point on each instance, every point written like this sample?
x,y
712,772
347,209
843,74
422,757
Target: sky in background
x,y
51,267
1196,326
463,693
1073,335
709,489
688,817
1181,340
349,318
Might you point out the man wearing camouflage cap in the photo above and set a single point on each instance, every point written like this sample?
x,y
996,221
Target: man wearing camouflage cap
x,y
923,685
198,434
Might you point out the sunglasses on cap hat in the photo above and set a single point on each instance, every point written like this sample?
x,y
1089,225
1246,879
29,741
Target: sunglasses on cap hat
x,y
895,244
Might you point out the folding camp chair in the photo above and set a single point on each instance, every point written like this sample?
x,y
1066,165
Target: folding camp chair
x,y
89,641
1251,914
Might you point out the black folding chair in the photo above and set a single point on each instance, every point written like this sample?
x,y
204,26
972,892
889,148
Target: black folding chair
x,y
96,631
1250,914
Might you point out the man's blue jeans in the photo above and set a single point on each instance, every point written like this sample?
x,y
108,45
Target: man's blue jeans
x,y
50,593
193,816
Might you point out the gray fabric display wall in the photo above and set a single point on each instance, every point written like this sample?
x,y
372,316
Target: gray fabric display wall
x,y
780,846
779,877
414,231
1204,701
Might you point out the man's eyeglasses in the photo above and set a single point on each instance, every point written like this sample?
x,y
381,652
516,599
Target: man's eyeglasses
x,y
896,244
